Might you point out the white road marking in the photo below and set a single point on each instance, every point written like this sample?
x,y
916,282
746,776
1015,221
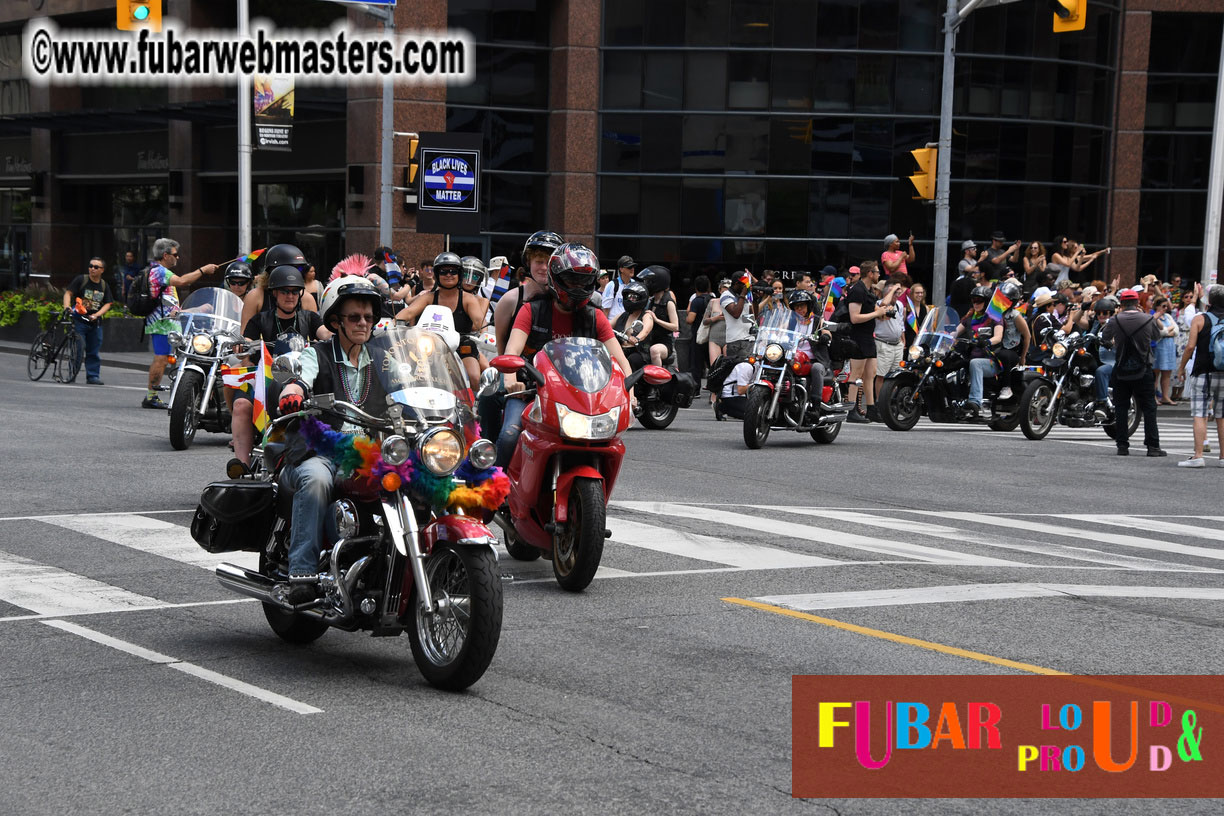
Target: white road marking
x,y
152,536
982,592
47,590
1157,525
709,548
48,517
1129,562
187,668
132,609
853,541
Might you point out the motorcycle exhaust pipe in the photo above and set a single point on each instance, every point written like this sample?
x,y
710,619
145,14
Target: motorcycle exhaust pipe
x,y
830,419
246,582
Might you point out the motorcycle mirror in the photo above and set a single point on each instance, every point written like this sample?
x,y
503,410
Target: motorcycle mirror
x,y
286,367
489,380
635,328
656,375
985,331
508,363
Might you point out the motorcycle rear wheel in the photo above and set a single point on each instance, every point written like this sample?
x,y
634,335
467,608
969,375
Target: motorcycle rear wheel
x,y
454,646
1005,422
827,433
898,405
577,552
1132,421
289,627
658,416
1037,410
184,411
520,550
756,417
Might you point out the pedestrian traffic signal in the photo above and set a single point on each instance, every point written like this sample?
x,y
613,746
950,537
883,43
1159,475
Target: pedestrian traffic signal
x,y
1069,14
131,15
924,180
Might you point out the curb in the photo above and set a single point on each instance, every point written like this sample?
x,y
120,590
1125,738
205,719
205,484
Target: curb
x,y
113,363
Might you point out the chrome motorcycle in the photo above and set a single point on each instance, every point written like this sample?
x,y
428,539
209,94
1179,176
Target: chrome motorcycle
x,y
208,331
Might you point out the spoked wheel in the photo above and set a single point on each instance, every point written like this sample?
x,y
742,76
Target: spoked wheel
x,y
184,412
578,550
658,416
1037,410
454,645
898,404
40,356
756,417
289,627
71,355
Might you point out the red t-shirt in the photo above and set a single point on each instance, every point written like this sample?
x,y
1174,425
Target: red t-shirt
x,y
563,323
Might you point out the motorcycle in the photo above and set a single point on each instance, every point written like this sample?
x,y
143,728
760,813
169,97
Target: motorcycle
x,y
404,546
779,396
568,455
1065,389
658,405
934,379
209,328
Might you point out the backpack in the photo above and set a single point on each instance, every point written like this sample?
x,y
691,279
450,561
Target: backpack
x,y
140,300
1216,342
1130,366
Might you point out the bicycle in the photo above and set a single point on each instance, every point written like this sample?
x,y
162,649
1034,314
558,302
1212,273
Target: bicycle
x,y
60,345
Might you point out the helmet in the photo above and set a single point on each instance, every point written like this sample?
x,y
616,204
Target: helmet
x,y
655,278
1011,290
634,296
474,270
543,241
285,255
980,293
449,262
345,288
800,296
1106,304
572,272
238,272
286,277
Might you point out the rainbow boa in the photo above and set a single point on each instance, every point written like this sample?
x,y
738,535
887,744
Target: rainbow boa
x,y
360,457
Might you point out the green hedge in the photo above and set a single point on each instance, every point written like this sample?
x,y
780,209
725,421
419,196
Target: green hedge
x,y
43,301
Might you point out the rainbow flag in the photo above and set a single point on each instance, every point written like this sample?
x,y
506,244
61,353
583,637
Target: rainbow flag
x,y
253,254
911,315
241,378
263,378
999,304
1023,308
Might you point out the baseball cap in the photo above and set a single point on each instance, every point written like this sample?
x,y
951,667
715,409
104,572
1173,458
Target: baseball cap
x,y
968,244
997,235
854,270
828,270
1128,294
1090,291
625,262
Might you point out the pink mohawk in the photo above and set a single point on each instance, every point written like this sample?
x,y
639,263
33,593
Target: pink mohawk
x,y
355,264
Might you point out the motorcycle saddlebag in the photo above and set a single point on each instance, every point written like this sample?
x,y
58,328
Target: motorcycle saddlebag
x,y
717,374
681,390
235,515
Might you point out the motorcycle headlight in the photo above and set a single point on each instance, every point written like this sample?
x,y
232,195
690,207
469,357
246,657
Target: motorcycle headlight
x,y
395,450
441,451
202,344
915,352
773,353
175,339
582,426
1060,349
482,454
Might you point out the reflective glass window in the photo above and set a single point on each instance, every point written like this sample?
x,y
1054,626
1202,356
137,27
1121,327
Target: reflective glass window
x,y
794,23
918,85
792,81
873,147
661,143
623,22
619,203
665,22
663,88
705,22
873,86
750,23
834,82
837,24
790,145
703,147
622,85
747,80
1185,43
745,206
701,206
660,205
747,144
621,144
833,151
787,208
878,23
705,80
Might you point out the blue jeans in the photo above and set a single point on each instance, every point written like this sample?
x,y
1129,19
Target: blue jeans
x,y
979,369
91,336
512,426
312,480
1102,381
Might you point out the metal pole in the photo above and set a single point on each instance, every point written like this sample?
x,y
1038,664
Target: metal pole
x,y
943,160
1215,187
388,137
244,141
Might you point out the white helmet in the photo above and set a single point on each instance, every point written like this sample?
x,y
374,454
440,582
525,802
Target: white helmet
x,y
349,286
441,321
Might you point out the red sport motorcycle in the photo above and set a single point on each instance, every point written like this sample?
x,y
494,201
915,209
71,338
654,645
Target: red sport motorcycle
x,y
568,455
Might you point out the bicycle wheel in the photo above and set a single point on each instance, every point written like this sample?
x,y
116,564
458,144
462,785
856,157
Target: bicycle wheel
x,y
40,357
71,355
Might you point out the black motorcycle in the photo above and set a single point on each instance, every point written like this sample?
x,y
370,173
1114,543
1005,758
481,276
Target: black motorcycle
x,y
934,380
1064,390
657,405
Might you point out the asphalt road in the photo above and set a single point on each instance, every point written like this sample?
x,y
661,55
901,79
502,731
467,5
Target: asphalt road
x,y
125,664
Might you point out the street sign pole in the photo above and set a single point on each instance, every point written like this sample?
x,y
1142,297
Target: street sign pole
x,y
943,160
388,137
244,141
1215,188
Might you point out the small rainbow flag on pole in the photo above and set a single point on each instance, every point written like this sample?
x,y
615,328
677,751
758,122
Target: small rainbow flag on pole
x,y
911,315
253,254
241,378
999,304
263,378
836,286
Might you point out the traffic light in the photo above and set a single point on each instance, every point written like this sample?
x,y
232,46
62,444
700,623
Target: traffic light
x,y
1069,14
924,179
412,170
131,15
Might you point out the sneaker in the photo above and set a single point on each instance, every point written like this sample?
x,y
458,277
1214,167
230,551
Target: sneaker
x,y
1194,462
161,388
1220,463
94,381
1124,451
873,413
857,416
154,402
1157,452
1005,394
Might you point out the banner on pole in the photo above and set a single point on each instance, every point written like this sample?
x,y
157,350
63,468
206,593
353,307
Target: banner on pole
x,y
273,96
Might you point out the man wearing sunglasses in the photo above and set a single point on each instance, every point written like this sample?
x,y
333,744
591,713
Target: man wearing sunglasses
x,y
88,298
162,321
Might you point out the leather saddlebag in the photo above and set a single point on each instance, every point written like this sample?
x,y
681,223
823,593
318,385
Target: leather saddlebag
x,y
235,515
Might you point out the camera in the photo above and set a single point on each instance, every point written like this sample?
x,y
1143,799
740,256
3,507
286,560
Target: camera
x,y
890,311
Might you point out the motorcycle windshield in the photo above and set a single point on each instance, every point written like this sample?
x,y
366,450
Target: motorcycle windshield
x,y
212,311
935,333
781,327
419,371
583,362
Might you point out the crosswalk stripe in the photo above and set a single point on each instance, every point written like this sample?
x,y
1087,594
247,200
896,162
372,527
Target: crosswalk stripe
x,y
47,590
853,541
1031,526
709,548
153,536
1130,562
960,593
1137,523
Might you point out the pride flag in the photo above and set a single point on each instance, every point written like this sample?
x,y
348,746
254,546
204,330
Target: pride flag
x,y
253,254
999,304
836,287
240,377
911,315
263,378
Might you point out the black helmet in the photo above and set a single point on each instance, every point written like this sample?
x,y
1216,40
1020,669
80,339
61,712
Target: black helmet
x,y
286,277
572,272
1106,304
238,272
447,262
981,293
798,296
634,296
655,278
544,241
285,255
1011,290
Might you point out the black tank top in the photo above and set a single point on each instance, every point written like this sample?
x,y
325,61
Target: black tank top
x,y
463,321
658,334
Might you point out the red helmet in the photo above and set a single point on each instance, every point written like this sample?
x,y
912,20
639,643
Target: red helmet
x,y
572,273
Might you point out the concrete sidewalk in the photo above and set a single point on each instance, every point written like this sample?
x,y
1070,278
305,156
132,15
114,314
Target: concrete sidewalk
x,y
136,360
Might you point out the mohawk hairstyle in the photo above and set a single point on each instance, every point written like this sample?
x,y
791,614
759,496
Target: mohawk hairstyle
x,y
355,264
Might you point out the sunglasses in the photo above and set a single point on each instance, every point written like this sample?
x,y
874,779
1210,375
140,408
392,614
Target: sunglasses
x,y
447,273
354,318
173,254
96,266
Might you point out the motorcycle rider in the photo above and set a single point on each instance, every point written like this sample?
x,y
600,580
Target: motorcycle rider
x,y
803,305
341,366
981,361
469,312
1104,310
565,312
239,277
278,255
657,280
635,298
1014,349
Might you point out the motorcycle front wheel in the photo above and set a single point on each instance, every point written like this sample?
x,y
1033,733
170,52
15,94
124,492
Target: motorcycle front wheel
x,y
756,417
455,645
898,404
184,411
1037,410
658,416
578,550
